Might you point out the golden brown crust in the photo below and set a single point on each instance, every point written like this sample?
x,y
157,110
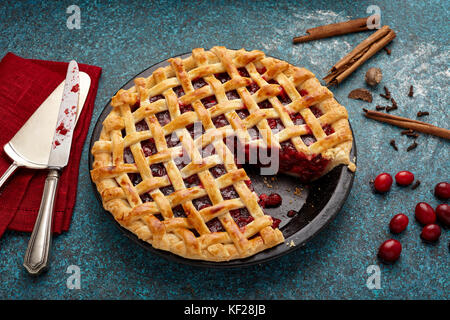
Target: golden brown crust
x,y
189,235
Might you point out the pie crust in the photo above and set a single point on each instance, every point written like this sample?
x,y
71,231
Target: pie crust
x,y
154,175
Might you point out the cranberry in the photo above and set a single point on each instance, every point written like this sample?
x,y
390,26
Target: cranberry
x,y
383,182
425,213
390,250
263,199
275,222
316,111
291,213
398,223
442,190
274,200
265,104
241,216
328,129
431,233
443,214
404,178
303,92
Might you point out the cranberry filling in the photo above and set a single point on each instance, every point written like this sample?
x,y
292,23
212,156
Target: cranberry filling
x,y
303,92
218,170
275,124
209,102
172,140
135,106
214,225
127,155
158,170
297,118
308,139
202,203
261,70
252,88
178,211
275,223
306,167
186,108
156,98
243,72
243,113
182,160
141,126
135,178
167,190
163,117
149,147
220,121
249,185
328,129
222,77
208,150
195,129
192,181
254,133
241,216
265,104
145,197
316,111
284,98
232,95
198,83
179,91
232,142
229,193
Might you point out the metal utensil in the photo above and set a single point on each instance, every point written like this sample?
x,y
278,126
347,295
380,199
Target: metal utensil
x,y
36,256
24,148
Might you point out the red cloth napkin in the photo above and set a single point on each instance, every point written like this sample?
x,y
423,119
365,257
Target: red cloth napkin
x,y
24,85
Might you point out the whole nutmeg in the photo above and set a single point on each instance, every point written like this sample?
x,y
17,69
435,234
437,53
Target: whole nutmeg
x,y
373,76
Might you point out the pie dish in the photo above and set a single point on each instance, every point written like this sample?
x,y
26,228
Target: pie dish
x,y
164,166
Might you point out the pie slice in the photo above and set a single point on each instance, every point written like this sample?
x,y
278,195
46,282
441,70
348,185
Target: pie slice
x,y
168,160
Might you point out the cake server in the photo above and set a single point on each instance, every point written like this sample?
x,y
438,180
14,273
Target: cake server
x,y
36,256
30,147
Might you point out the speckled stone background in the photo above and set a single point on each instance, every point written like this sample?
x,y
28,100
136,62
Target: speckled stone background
x,y
125,38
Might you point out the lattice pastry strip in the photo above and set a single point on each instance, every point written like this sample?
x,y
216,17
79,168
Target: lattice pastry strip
x,y
198,205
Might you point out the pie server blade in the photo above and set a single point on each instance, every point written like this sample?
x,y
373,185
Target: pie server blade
x,y
31,145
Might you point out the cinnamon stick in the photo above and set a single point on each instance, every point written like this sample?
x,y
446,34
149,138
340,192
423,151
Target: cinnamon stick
x,y
359,55
408,123
335,29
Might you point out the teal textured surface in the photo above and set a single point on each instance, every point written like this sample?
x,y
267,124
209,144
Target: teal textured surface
x,y
126,38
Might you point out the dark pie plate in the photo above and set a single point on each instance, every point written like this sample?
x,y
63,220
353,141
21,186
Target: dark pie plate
x,y
316,203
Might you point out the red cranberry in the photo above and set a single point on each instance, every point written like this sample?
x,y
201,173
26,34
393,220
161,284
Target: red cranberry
x,y
275,222
443,214
383,182
303,92
390,250
263,198
291,213
442,190
404,178
431,233
398,223
425,213
274,200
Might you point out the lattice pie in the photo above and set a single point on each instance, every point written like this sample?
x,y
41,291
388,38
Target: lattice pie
x,y
166,163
